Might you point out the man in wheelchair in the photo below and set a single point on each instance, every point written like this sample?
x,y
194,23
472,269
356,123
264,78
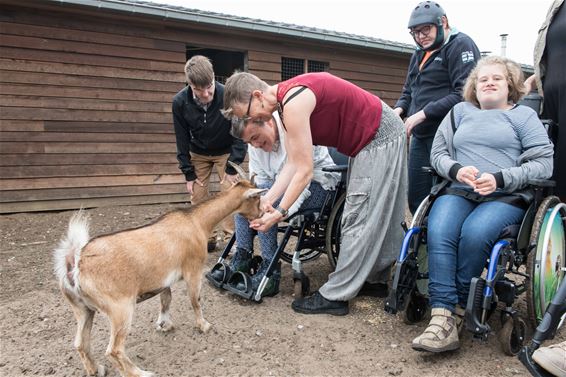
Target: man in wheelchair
x,y
265,163
266,159
487,150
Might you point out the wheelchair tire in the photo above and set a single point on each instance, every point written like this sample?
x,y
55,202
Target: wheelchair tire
x,y
417,308
305,256
301,287
553,253
333,231
512,339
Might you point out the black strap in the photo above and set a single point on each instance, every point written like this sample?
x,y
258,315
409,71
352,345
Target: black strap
x,y
293,95
452,122
280,107
514,200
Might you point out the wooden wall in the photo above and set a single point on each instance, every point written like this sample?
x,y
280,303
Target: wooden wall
x,y
85,110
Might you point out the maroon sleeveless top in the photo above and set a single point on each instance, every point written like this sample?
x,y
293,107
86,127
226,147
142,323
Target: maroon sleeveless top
x,y
345,116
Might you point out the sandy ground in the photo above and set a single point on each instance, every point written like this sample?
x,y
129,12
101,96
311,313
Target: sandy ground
x,y
247,339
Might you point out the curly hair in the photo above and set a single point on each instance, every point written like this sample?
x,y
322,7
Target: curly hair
x,y
513,73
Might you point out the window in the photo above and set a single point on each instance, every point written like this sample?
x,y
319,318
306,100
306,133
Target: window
x,y
291,67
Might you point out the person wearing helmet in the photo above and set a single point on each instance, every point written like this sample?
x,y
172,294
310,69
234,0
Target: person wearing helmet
x,y
437,71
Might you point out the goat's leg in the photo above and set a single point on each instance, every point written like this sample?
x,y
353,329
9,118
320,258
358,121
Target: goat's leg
x,y
120,321
84,317
164,322
194,284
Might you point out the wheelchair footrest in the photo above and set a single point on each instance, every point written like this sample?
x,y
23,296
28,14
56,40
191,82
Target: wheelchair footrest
x,y
219,274
240,284
404,282
474,309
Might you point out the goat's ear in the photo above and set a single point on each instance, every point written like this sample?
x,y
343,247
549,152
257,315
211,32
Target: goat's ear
x,y
241,172
254,192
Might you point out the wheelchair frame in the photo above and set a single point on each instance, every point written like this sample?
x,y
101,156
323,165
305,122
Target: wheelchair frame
x,y
317,230
508,255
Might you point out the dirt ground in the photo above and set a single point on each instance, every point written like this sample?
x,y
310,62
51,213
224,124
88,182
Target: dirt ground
x,y
247,339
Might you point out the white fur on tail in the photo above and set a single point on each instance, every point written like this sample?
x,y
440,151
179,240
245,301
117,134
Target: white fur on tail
x,y
69,249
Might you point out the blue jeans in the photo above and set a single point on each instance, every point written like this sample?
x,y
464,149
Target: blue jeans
x,y
268,240
461,234
420,182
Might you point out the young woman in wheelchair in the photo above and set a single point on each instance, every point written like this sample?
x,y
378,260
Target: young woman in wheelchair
x,y
266,159
486,153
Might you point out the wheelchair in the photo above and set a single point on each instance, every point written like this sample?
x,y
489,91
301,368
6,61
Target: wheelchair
x,y
528,258
317,231
552,320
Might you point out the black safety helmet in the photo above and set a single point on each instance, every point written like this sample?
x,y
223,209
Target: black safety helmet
x,y
429,12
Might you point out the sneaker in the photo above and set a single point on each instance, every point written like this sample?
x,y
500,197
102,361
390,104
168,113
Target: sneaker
x,y
272,286
441,335
459,316
241,261
317,304
552,358
374,290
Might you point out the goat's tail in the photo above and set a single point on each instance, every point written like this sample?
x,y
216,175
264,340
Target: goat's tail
x,y
67,254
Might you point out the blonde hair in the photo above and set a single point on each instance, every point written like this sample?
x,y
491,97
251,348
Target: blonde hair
x,y
199,72
513,74
238,89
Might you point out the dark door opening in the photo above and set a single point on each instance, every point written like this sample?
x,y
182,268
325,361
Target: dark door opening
x,y
224,62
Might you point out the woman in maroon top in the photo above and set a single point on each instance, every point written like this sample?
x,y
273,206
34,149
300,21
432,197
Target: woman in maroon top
x,y
322,109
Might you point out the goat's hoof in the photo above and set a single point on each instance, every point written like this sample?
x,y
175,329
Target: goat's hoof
x,y
164,326
146,373
205,327
101,371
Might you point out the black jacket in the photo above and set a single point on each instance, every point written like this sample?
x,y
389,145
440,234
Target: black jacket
x,y
438,86
204,132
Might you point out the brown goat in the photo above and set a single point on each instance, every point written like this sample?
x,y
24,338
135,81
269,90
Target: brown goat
x,y
111,273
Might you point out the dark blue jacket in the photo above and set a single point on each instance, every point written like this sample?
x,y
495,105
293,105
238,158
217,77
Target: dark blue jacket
x,y
438,86
204,132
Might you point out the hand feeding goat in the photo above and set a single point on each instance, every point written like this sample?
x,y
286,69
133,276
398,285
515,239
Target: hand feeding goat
x,y
111,273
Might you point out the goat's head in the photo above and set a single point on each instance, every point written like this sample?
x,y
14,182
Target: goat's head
x,y
250,206
242,173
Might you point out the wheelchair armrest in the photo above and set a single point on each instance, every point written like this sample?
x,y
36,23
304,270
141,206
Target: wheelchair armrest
x,y
541,183
336,168
430,170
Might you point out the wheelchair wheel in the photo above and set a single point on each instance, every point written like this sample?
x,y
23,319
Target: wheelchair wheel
x,y
512,336
301,286
333,231
546,261
417,308
305,256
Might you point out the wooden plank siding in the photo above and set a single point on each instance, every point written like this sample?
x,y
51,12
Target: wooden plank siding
x,y
85,98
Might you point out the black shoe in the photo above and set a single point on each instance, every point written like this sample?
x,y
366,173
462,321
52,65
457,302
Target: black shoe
x,y
211,246
272,286
316,304
374,290
241,261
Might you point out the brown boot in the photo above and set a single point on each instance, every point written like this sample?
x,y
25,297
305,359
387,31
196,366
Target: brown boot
x,y
441,334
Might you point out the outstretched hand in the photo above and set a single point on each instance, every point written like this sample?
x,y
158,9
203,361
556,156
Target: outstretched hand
x,y
265,222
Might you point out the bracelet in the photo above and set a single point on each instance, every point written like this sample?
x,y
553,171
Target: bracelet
x,y
283,211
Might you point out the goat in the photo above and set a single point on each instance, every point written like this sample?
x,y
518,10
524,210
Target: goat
x,y
110,273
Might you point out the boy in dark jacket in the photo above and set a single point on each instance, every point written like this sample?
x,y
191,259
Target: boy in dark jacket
x,y
203,135
437,72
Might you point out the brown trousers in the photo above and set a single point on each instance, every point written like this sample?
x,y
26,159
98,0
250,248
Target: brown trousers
x,y
203,169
